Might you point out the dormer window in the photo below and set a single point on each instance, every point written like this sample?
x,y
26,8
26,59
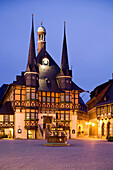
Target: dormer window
x,y
45,61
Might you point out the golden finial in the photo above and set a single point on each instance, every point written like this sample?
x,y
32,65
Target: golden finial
x,y
32,15
41,23
64,22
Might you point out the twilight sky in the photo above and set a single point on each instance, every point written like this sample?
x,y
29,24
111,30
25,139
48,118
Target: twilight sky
x,y
89,30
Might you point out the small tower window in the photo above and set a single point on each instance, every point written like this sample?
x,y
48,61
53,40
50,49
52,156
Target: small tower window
x,y
33,77
45,61
67,81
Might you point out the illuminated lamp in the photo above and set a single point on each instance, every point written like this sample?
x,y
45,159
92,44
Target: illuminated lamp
x,y
19,131
93,124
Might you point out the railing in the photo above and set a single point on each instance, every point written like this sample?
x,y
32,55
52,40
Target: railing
x,y
40,130
106,115
6,124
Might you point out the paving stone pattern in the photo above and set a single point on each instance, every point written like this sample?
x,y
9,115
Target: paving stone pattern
x,y
32,155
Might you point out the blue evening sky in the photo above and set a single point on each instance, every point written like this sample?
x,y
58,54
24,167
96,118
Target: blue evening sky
x,y
89,30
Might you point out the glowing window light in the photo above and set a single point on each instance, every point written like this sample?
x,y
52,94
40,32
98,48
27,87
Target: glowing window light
x,y
93,124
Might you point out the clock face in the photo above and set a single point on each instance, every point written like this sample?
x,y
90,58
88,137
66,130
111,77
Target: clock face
x,y
45,61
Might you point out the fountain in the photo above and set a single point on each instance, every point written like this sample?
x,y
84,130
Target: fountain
x,y
57,137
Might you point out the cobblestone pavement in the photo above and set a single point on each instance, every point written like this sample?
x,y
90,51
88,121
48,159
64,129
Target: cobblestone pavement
x,y
31,154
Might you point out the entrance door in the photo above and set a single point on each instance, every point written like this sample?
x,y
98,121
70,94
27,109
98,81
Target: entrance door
x,y
47,120
103,129
108,128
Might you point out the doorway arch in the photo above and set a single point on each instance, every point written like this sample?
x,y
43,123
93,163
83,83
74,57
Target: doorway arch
x,y
103,125
108,128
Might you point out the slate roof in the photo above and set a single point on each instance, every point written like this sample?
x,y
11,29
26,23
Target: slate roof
x,y
64,61
98,89
49,72
103,94
20,80
107,96
83,106
3,88
46,73
7,108
75,87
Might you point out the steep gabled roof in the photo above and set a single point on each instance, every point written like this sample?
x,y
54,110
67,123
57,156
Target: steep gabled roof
x,y
75,87
7,108
83,106
3,89
99,88
47,73
44,54
102,94
20,80
107,96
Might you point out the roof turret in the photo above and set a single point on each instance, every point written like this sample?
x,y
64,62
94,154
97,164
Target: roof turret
x,y
31,56
64,61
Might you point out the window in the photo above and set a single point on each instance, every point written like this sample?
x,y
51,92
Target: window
x,y
56,100
52,100
32,115
48,99
17,97
27,116
67,97
27,95
33,95
67,116
43,98
45,61
28,77
6,118
33,77
62,116
67,81
52,94
62,97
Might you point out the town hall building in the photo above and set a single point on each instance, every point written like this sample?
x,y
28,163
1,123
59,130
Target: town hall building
x,y
42,97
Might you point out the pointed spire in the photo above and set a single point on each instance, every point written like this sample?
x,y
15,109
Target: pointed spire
x,y
31,56
64,61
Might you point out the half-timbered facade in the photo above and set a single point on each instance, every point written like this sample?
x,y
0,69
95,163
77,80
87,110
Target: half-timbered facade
x,y
42,97
100,109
